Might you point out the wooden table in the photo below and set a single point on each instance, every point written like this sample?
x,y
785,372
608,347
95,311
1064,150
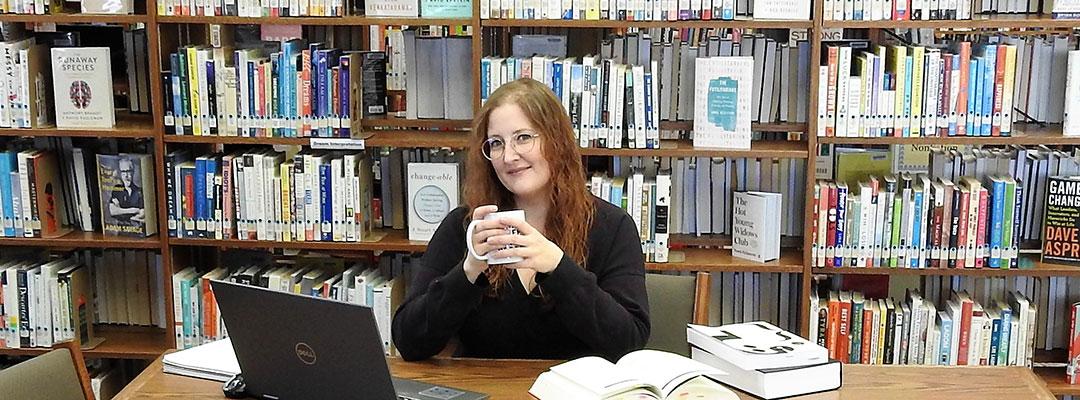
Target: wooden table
x,y
511,379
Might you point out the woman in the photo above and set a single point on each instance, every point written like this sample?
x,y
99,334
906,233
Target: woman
x,y
580,287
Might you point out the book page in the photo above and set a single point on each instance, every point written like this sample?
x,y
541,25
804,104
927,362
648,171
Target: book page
x,y
664,370
598,376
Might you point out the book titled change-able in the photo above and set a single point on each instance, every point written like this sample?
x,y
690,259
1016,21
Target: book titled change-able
x,y
1061,227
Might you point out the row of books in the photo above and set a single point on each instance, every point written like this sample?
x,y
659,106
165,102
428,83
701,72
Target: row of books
x,y
644,10
48,300
1051,295
953,88
754,296
915,10
269,195
955,91
701,189
301,90
911,221
913,331
427,75
253,8
1030,167
380,286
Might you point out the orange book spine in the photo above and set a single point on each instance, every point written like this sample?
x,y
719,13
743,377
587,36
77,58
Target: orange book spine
x,y
962,97
830,98
999,91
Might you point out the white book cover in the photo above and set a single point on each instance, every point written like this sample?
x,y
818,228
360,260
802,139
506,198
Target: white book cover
x,y
755,229
736,343
1072,95
82,87
723,88
782,9
433,192
392,8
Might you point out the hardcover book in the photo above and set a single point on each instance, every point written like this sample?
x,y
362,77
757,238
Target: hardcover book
x,y
126,186
82,87
722,102
1061,223
756,226
433,192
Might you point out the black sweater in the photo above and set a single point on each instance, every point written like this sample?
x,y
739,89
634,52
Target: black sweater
x,y
600,311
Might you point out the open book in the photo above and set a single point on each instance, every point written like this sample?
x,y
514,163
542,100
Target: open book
x,y
643,374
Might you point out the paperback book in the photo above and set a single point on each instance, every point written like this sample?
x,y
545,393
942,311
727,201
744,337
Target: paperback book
x,y
722,102
82,87
433,192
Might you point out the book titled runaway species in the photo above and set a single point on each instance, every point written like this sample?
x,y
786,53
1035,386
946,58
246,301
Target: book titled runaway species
x,y
127,194
82,87
1061,224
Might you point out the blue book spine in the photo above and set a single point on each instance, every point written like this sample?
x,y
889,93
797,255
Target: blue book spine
x,y
973,84
344,97
907,97
178,109
326,201
200,196
276,95
953,112
1006,336
876,71
319,93
649,143
945,347
251,96
1015,261
916,229
997,214
988,79
616,196
995,342
485,83
7,163
556,80
841,220
328,96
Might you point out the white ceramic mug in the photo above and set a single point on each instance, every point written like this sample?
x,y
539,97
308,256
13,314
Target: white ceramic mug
x,y
513,214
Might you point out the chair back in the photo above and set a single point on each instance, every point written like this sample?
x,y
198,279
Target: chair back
x,y
51,376
674,301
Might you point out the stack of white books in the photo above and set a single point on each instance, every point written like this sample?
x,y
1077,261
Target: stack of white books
x,y
763,360
214,361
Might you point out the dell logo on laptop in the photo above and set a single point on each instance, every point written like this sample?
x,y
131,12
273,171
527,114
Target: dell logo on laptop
x,y
305,353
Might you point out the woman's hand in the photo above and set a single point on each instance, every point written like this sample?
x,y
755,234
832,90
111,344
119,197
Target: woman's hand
x,y
484,230
537,252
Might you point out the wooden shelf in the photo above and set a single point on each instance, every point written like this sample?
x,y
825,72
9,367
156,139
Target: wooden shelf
x,y
684,148
1055,381
716,240
82,239
1038,269
346,20
977,22
127,126
394,122
130,342
393,240
80,18
755,127
577,23
1024,134
721,260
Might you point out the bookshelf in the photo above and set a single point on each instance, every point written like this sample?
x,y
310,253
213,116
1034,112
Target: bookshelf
x,y
143,343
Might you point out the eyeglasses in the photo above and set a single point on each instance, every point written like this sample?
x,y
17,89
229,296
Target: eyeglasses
x,y
522,142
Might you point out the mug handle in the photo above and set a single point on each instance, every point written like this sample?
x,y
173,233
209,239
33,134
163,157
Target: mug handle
x,y
468,241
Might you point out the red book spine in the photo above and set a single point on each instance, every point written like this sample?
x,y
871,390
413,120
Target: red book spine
x,y
965,332
831,340
830,236
843,347
999,91
961,238
867,335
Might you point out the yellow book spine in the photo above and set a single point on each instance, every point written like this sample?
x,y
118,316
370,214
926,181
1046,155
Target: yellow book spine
x,y
1007,98
286,203
193,89
918,55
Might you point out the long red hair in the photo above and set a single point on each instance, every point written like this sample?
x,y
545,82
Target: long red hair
x,y
571,212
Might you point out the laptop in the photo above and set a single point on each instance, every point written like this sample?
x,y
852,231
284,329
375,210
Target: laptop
x,y
291,346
